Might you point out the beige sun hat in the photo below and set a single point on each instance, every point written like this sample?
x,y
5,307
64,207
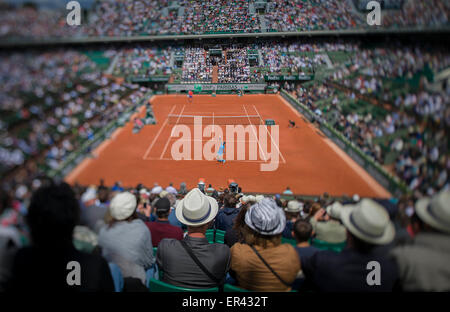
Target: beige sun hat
x,y
196,208
259,198
294,206
248,198
163,194
435,211
334,210
368,221
122,205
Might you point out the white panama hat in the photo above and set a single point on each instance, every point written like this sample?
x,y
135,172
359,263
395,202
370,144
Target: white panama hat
x,y
435,211
368,221
196,208
334,210
294,206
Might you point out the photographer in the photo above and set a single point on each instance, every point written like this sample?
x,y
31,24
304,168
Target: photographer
x,y
327,225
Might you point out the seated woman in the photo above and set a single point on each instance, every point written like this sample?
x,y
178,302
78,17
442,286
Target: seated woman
x,y
126,240
262,263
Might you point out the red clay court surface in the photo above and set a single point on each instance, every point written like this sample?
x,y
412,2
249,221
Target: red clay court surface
x,y
309,163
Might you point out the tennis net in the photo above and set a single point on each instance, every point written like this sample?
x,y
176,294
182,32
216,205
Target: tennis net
x,y
213,120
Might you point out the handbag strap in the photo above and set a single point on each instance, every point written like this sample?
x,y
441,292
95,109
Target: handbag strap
x,y
269,267
216,280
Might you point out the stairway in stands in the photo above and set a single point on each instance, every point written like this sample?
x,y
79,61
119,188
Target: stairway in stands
x,y
215,74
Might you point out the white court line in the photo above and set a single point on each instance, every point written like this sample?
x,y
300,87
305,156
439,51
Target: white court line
x,y
157,135
208,140
276,145
234,160
254,132
168,139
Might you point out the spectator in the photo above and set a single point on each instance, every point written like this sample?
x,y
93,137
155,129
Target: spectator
x,y
226,215
423,264
327,225
52,216
161,228
262,263
292,212
170,189
288,191
303,232
197,211
182,190
210,190
368,229
172,215
94,211
234,234
126,241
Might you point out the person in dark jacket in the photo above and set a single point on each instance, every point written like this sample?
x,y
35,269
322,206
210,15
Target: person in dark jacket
x,y
364,265
52,262
226,216
234,234
197,211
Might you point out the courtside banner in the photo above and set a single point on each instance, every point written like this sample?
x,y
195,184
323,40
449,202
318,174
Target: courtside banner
x,y
216,87
288,77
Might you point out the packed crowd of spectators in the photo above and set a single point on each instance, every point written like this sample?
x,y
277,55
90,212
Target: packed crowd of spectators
x,y
151,17
143,62
373,71
52,104
217,16
197,66
310,15
33,88
235,68
432,13
410,135
131,239
282,59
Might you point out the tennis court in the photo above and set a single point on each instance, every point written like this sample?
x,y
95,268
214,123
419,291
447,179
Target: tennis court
x,y
305,160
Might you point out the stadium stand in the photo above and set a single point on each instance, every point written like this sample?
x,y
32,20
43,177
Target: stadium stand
x,y
149,17
389,100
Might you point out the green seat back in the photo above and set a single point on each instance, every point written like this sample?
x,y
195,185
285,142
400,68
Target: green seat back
x,y
337,247
154,250
288,241
232,288
220,236
159,286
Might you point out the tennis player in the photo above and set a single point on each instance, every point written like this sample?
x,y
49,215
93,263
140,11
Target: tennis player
x,y
220,153
190,96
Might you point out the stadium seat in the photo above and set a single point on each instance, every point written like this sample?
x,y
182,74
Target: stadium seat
x,y
217,237
232,288
159,286
288,241
154,250
336,247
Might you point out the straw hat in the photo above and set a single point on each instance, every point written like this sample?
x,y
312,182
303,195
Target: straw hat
x,y
435,211
368,221
196,208
334,210
294,206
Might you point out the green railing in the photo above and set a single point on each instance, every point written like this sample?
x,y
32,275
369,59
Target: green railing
x,y
387,180
28,41
84,151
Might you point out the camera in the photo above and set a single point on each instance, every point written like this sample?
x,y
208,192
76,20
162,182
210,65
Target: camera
x,y
234,188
